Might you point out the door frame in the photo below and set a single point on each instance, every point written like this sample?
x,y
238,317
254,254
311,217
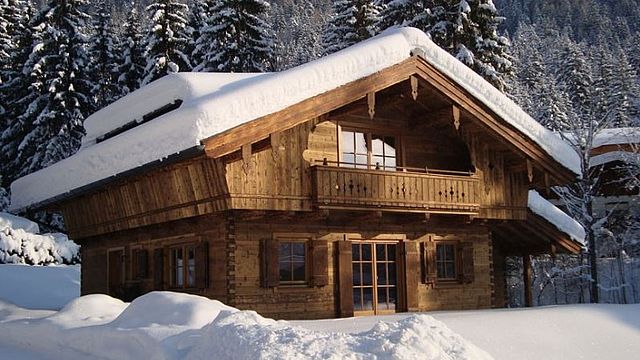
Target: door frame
x,y
396,239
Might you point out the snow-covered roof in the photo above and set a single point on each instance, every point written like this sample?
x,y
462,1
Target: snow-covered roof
x,y
617,136
624,156
558,218
213,103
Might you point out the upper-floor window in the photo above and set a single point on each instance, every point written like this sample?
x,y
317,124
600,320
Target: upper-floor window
x,y
365,150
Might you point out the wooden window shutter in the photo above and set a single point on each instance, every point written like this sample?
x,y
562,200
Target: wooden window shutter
x,y
345,278
319,262
270,267
158,269
142,263
412,266
468,271
430,258
202,265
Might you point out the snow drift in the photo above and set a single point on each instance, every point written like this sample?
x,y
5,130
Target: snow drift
x,y
164,325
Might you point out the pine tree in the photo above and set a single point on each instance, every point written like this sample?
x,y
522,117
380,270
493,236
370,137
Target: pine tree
x,y
237,38
16,93
11,23
166,40
416,13
199,11
132,61
352,21
298,26
4,198
103,66
58,96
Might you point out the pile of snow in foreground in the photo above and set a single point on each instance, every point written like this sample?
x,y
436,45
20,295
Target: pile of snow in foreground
x,y
39,287
165,325
21,243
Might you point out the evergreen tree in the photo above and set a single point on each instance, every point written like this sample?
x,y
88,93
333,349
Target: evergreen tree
x,y
198,13
4,197
132,61
237,38
166,40
103,67
467,29
16,93
298,26
352,21
11,23
58,96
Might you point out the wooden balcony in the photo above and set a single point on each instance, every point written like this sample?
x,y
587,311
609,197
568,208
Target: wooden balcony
x,y
429,191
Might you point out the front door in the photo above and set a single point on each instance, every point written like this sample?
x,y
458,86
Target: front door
x,y
374,278
116,272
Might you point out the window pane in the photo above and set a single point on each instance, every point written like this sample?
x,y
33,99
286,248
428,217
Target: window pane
x,y
390,163
451,270
347,141
361,160
284,252
366,252
392,273
448,252
191,269
355,251
377,145
377,162
367,298
382,273
391,252
361,143
348,159
382,299
393,298
285,271
356,275
298,250
390,146
357,299
380,253
367,274
298,272
441,270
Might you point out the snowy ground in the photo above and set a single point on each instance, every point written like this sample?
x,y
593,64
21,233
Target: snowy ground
x,y
165,325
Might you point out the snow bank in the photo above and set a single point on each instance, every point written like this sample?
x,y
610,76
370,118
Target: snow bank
x,y
565,223
39,287
215,103
164,325
20,244
624,156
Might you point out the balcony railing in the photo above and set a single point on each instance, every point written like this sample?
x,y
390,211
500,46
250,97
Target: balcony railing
x,y
410,190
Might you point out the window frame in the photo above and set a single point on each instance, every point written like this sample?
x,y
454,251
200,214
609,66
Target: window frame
x,y
305,242
456,261
369,134
173,267
305,238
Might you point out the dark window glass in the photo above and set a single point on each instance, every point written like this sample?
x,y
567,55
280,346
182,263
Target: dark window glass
x,y
292,261
446,261
182,266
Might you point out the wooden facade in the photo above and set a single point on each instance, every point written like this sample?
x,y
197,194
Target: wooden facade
x,y
397,192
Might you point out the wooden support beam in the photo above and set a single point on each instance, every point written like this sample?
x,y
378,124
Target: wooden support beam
x,y
371,104
414,87
530,170
547,183
246,158
527,276
456,117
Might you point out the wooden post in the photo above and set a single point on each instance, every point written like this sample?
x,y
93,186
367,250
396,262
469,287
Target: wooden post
x,y
527,275
371,102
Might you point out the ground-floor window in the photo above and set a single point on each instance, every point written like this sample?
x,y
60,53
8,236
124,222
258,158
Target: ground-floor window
x,y
182,266
446,261
292,261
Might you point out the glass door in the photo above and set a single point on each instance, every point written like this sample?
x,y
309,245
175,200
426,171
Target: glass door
x,y
374,278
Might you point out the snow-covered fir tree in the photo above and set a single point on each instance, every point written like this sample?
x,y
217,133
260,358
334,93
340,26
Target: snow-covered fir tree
x,y
351,21
238,37
132,50
103,66
198,13
17,95
467,29
59,88
298,27
166,40
11,23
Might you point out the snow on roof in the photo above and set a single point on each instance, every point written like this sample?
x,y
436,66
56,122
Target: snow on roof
x,y
624,156
617,136
213,103
563,222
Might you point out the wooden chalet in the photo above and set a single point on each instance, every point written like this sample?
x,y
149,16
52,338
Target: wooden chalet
x,y
401,190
